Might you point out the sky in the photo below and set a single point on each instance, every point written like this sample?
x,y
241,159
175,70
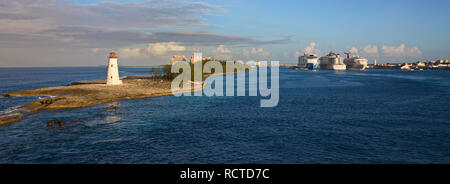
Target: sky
x,y
148,32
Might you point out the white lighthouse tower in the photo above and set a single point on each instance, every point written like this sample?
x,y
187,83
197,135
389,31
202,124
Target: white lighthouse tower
x,y
113,70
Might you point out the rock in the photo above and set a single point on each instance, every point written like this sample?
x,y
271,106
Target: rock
x,y
56,122
6,95
61,124
9,119
88,94
47,101
112,107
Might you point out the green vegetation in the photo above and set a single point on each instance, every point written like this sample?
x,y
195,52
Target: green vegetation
x,y
164,71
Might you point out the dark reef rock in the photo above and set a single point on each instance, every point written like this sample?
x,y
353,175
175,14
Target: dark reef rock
x,y
47,101
56,122
112,107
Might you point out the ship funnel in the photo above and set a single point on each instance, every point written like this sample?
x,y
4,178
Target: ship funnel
x,y
348,54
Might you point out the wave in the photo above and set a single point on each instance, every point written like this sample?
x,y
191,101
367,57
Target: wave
x,y
107,140
10,110
45,96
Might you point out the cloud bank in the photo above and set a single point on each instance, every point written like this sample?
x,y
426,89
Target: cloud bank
x,y
370,50
137,29
354,50
400,51
391,51
221,49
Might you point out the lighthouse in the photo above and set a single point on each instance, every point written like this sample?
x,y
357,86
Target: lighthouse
x,y
113,70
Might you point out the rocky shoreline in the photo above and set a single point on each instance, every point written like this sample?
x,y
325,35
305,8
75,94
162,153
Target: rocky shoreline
x,y
88,93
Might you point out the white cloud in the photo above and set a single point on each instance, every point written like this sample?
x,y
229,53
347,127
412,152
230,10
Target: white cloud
x,y
255,53
260,52
393,51
131,52
400,51
414,52
158,49
311,49
371,50
354,50
221,49
152,49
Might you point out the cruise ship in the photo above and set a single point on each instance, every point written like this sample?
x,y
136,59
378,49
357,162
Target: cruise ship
x,y
332,61
308,61
355,63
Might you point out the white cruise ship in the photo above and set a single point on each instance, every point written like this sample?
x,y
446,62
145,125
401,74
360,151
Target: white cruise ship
x,y
356,63
332,61
308,61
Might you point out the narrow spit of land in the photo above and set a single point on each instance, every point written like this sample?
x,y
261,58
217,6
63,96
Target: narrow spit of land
x,y
88,93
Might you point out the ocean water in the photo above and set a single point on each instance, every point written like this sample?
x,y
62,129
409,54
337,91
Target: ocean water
x,y
374,116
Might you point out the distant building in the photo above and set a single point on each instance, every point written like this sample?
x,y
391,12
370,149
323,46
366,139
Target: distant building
x,y
176,58
264,64
444,66
405,66
420,64
375,62
207,59
113,70
394,65
197,57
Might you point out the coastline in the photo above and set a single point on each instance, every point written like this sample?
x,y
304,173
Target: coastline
x,y
88,93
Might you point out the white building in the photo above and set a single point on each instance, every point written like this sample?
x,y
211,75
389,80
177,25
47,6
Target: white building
x,y
198,57
113,70
406,66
